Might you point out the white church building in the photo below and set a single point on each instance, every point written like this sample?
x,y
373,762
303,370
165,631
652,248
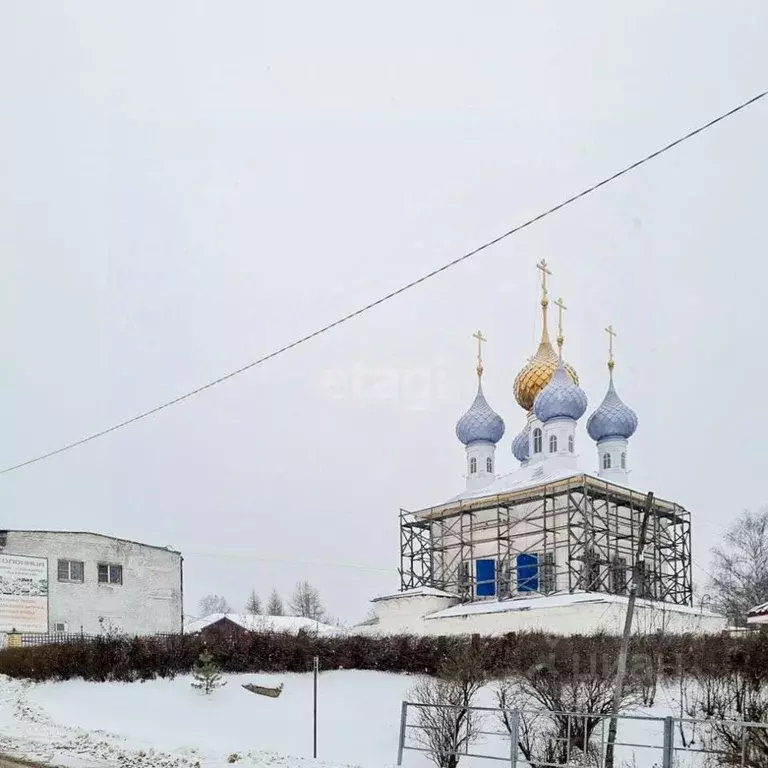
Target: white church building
x,y
547,546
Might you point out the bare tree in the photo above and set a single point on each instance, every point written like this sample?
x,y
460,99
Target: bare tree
x,y
275,605
213,604
446,724
306,602
562,705
739,573
253,606
735,697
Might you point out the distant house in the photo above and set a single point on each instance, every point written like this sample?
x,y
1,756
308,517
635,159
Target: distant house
x,y
232,624
758,614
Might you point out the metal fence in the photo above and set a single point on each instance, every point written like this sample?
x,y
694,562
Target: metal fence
x,y
541,739
25,641
63,638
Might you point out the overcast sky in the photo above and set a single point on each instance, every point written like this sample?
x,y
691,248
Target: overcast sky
x,y
187,186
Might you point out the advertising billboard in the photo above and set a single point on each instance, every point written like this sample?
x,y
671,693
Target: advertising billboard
x,y
23,593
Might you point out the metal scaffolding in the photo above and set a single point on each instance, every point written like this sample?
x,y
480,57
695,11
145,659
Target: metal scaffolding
x,y
583,532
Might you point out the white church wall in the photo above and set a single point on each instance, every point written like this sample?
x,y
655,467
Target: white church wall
x,y
481,457
400,613
614,454
529,537
147,602
577,617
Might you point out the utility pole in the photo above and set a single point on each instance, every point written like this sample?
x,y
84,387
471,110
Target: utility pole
x,y
316,669
621,669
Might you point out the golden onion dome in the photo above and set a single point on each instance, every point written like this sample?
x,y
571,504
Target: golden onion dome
x,y
538,371
542,366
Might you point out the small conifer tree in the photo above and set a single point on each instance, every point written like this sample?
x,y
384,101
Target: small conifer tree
x,y
275,605
207,674
253,606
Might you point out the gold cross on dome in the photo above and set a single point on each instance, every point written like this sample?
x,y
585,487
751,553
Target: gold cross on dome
x,y
611,334
545,272
560,338
480,339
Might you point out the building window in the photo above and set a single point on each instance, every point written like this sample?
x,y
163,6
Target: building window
x,y
485,574
60,628
570,443
72,571
552,443
527,572
590,572
110,574
548,573
619,575
489,465
505,580
463,578
537,440
606,461
623,460
472,465
646,579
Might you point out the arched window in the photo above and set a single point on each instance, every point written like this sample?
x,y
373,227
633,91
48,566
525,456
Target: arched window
x,y
570,443
537,440
552,443
472,465
606,461
623,460
489,465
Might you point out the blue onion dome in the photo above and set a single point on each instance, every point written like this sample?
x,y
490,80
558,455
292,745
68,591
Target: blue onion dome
x,y
612,419
480,422
521,445
562,398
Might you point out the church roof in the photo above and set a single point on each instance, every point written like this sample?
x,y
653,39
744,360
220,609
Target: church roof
x,y
416,592
553,601
527,478
480,423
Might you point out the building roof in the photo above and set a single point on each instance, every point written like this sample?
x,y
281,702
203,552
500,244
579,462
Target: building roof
x,y
91,533
527,478
480,423
262,623
416,592
556,601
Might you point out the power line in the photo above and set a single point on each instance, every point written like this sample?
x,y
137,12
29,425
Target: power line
x,y
392,294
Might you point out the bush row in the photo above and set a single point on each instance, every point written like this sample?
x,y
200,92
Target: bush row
x,y
147,658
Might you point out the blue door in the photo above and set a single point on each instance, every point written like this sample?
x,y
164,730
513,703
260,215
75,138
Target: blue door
x,y
486,578
527,573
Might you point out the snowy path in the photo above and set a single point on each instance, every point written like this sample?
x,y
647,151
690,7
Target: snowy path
x,y
8,762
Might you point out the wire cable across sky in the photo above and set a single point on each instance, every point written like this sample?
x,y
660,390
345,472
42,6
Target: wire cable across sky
x,y
568,201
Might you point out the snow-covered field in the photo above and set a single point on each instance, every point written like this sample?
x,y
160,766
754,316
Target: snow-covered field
x,y
167,724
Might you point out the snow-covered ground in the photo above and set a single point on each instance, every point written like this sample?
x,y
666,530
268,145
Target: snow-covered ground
x,y
167,724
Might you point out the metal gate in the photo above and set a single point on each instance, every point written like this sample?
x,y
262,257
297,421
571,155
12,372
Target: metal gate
x,y
528,738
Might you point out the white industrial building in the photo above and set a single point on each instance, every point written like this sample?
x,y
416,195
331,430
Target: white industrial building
x,y
69,582
548,546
